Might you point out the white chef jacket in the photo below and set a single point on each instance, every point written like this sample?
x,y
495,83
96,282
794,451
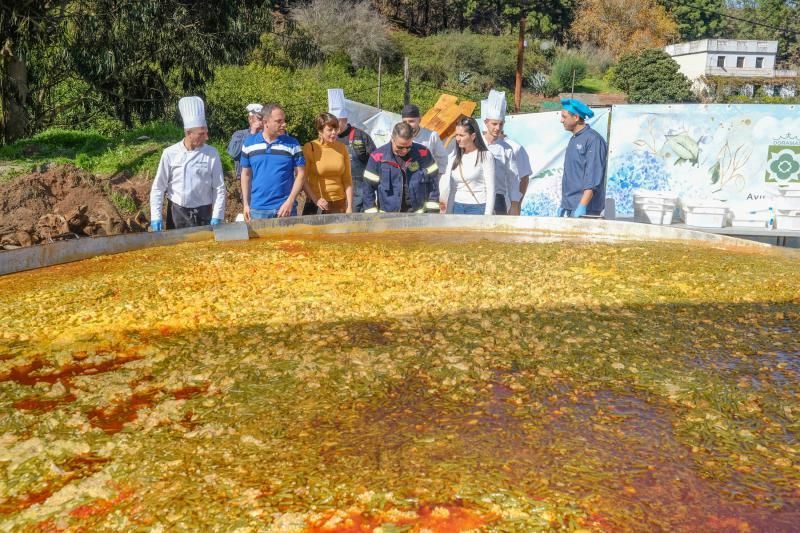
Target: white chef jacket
x,y
521,157
506,176
431,140
189,179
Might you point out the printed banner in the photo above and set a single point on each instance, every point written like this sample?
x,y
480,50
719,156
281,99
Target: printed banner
x,y
545,140
736,153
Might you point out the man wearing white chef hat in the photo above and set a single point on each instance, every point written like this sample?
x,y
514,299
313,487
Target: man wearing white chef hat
x,y
506,177
190,175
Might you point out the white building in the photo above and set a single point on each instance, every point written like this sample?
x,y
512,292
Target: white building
x,y
734,58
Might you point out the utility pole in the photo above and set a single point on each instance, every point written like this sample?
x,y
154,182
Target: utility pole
x,y
380,65
520,63
407,78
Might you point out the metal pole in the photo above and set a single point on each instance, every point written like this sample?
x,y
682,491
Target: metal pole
x,y
572,95
520,63
407,77
380,66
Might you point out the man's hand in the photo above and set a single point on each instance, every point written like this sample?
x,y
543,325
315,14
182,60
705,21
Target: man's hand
x,y
514,209
155,225
286,209
246,211
442,208
215,221
579,211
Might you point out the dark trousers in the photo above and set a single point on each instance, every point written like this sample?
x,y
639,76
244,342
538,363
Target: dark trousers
x,y
500,205
188,217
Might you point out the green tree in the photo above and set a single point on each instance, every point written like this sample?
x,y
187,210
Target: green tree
x,y
652,77
137,54
777,20
24,25
697,19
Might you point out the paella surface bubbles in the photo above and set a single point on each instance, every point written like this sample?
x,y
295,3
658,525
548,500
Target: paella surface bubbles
x,y
403,382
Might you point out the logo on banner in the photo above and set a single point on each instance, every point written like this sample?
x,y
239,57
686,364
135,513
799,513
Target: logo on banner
x,y
783,160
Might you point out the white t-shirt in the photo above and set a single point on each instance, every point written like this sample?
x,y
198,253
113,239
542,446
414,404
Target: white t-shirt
x,y
478,173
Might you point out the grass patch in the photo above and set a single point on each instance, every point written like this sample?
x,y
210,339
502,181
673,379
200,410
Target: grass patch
x,y
123,202
594,85
136,152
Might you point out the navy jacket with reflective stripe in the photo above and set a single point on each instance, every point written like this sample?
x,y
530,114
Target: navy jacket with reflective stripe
x,y
385,179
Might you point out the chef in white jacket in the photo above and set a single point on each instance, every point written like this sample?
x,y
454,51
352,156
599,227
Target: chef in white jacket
x,y
190,175
506,176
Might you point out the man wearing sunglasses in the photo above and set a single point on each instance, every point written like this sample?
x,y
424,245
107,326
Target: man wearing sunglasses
x,y
401,176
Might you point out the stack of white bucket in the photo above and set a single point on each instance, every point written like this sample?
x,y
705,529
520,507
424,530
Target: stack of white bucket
x,y
660,207
654,207
787,207
705,213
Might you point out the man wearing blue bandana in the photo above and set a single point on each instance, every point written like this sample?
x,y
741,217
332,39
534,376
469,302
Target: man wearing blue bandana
x,y
583,188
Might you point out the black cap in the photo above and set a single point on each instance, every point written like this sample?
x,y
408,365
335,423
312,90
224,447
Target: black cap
x,y
410,111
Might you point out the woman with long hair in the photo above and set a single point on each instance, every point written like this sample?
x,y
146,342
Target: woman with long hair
x,y
328,184
467,186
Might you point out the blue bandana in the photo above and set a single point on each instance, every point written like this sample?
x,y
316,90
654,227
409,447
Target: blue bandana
x,y
576,107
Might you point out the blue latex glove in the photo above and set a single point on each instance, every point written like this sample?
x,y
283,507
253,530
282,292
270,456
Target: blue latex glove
x,y
579,211
155,225
215,221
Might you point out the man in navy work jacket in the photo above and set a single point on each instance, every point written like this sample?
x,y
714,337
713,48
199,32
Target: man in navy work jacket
x,y
273,169
583,188
402,175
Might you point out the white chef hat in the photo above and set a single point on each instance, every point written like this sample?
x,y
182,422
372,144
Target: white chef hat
x,y
193,112
336,103
254,109
494,107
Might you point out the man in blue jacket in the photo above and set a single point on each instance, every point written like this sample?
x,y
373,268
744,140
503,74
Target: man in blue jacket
x,y
401,176
583,188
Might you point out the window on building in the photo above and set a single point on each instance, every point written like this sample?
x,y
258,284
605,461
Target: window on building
x,y
721,61
759,62
740,62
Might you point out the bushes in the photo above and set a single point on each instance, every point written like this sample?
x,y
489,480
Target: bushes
x,y
302,92
568,66
652,77
491,60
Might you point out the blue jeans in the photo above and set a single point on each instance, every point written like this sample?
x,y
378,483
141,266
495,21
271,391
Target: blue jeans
x,y
268,213
468,209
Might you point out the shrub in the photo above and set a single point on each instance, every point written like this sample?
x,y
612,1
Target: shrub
x,y
448,55
351,27
652,77
302,92
568,67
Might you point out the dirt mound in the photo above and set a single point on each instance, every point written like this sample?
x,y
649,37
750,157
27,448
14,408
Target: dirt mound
x,y
57,203
62,202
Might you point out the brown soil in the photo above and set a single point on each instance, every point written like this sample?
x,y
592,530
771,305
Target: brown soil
x,y
63,202
58,203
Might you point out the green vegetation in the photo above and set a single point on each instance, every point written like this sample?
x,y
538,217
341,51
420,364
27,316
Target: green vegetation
x,y
303,92
123,202
651,77
568,68
594,85
134,152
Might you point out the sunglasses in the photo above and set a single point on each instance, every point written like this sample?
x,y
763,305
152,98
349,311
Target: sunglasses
x,y
467,123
